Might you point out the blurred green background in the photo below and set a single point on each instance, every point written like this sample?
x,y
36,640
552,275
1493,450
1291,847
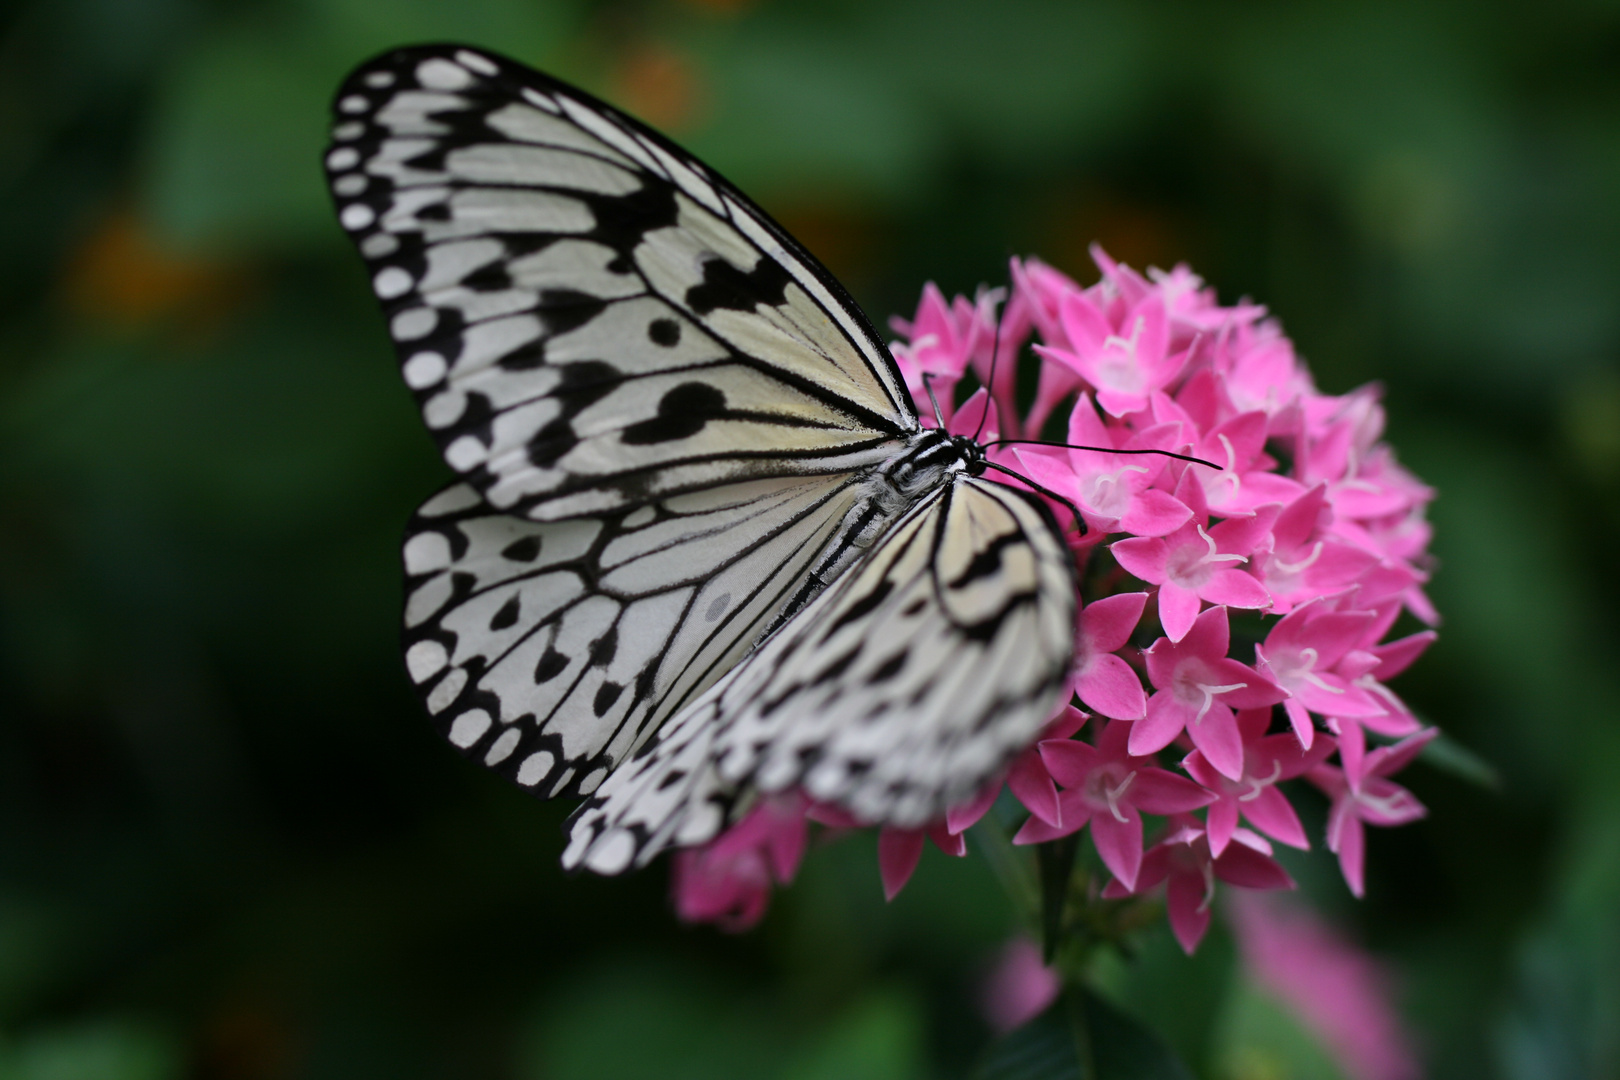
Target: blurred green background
x,y
230,847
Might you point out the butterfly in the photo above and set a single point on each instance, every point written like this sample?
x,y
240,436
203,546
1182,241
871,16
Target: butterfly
x,y
700,547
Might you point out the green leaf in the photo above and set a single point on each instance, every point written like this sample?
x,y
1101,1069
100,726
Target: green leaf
x,y
1049,1047
1081,1037
1122,1048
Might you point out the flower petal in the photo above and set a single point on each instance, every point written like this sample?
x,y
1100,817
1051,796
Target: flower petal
x,y
1111,687
1119,843
898,853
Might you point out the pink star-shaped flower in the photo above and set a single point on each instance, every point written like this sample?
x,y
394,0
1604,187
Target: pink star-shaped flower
x,y
1300,655
1115,492
1377,800
1367,665
1185,858
1260,368
1196,563
942,339
1267,761
1244,479
1107,787
1125,361
1028,777
1198,686
1300,563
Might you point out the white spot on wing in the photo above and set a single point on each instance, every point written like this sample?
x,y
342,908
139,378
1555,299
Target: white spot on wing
x,y
350,185
503,746
535,768
450,500
380,79
424,553
415,323
612,853
344,157
392,282
464,453
444,409
477,61
447,690
356,216
379,245
440,74
423,370
469,727
353,129
354,103
425,659
536,98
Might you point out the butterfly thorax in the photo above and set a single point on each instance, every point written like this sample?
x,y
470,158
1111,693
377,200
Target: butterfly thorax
x,y
930,460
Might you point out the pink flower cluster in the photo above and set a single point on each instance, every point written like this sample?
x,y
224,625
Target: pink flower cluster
x,y
1303,524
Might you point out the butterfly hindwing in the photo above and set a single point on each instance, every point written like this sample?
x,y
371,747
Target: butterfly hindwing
x,y
549,650
897,693
590,318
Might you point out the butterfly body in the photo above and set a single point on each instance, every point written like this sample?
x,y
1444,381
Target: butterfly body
x,y
701,546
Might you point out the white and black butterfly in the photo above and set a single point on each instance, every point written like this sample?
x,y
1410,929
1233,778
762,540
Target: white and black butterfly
x,y
701,547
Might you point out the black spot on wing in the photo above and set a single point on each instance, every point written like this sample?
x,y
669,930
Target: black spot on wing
x,y
725,286
552,663
606,695
548,445
665,332
623,221
862,607
889,668
603,649
682,412
837,667
507,616
986,562
524,550
569,309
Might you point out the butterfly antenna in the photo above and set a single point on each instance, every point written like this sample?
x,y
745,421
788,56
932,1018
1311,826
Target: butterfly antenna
x,y
990,383
1079,521
928,384
1103,450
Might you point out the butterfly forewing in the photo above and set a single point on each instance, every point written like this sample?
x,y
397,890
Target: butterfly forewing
x,y
674,431
897,693
590,318
549,650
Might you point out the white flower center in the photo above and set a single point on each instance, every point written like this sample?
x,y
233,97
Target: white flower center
x,y
1300,567
1108,494
1301,670
1209,691
1118,366
1105,787
1257,785
1208,870
1191,568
